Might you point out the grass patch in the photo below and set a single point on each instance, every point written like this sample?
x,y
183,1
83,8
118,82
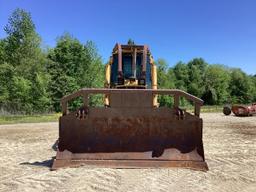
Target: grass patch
x,y
12,119
212,109
205,108
37,118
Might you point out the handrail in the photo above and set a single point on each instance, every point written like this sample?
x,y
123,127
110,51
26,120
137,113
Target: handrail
x,y
175,92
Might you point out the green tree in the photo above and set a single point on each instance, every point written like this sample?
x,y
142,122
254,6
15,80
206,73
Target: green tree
x,y
197,68
92,69
22,51
165,80
2,51
252,90
6,82
6,71
21,90
216,85
22,42
162,68
73,66
240,87
181,72
253,84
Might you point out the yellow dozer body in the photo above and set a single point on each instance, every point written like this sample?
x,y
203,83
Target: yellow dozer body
x,y
131,130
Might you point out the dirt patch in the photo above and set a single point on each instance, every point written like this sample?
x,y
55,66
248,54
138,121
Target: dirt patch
x,y
230,150
244,129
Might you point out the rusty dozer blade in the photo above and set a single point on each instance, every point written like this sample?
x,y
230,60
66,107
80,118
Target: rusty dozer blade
x,y
130,132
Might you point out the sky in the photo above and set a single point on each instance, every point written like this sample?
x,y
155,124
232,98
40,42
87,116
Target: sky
x,y
219,31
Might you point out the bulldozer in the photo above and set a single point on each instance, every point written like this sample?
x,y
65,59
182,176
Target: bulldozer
x,y
131,129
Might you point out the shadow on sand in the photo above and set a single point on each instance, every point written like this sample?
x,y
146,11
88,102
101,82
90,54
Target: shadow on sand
x,y
46,163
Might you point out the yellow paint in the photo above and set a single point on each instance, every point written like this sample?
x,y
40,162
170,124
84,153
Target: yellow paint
x,y
128,82
154,80
107,79
107,75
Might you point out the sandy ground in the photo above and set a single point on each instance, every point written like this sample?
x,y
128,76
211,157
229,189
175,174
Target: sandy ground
x,y
230,150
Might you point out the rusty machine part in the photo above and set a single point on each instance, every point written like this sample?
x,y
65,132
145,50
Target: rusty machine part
x,y
240,110
130,130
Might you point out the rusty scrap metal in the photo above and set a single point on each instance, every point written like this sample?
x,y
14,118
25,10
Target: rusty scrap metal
x,y
240,110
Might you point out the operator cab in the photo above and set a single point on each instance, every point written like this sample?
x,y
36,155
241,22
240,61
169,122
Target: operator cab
x,y
131,67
